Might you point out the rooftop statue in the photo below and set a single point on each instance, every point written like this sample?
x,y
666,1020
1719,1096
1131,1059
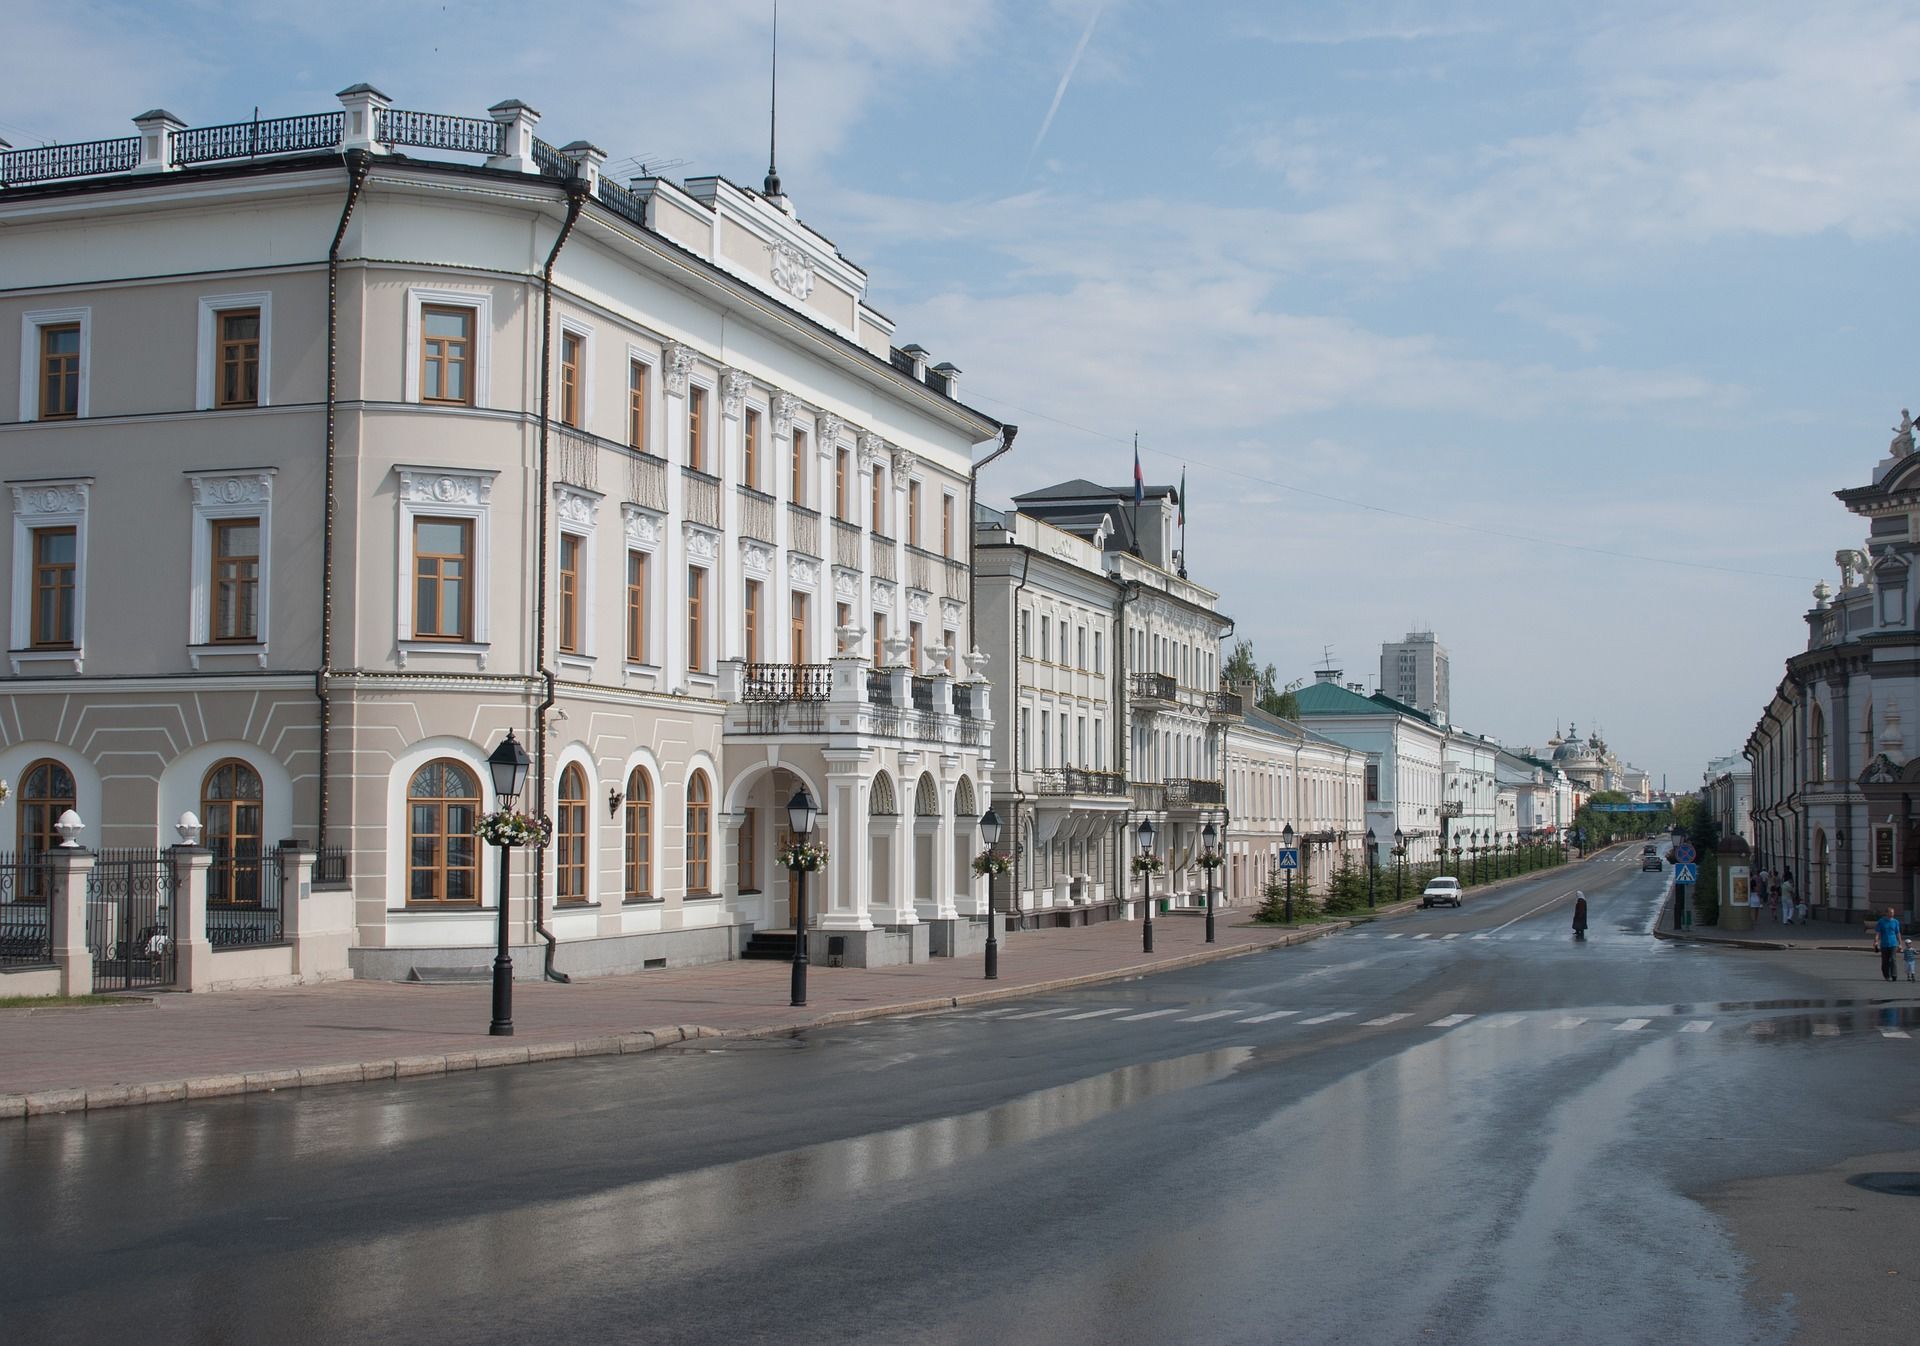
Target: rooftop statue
x,y
1902,436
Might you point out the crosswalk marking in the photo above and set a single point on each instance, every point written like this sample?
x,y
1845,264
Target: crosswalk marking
x,y
1004,1009
1094,1014
1202,1018
1893,1033
1570,1022
1697,1026
1483,935
1503,1021
1329,1018
1150,1014
1454,935
1270,1017
1039,1014
1450,1020
1398,934
1385,1019
1826,1030
1631,1025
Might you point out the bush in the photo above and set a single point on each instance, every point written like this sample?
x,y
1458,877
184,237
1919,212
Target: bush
x,y
1348,889
1273,910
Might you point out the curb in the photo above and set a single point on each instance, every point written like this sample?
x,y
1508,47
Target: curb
x,y
47,1102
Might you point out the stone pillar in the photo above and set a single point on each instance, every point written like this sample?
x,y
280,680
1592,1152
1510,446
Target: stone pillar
x,y
946,844
850,673
843,899
363,104
587,159
676,361
193,965
296,882
156,140
733,677
516,142
71,867
904,857
943,692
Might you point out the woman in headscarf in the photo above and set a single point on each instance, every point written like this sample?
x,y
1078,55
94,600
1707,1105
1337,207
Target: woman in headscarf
x,y
1579,915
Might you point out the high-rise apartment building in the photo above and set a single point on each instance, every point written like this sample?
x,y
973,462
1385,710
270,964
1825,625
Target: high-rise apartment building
x,y
1414,672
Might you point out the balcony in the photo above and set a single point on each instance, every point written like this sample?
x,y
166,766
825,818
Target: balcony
x,y
786,682
840,703
1075,781
1225,706
1195,793
1151,690
803,530
846,544
756,514
700,497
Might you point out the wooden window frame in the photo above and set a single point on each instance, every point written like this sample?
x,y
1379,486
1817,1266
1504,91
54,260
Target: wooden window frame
x,y
573,356
572,837
875,524
946,524
465,633
36,810
239,354
572,546
222,583
638,836
747,853
840,464
56,578
442,868
750,448
697,418
637,374
227,876
797,469
438,352
698,869
913,512
842,618
753,597
638,567
64,367
698,590
798,645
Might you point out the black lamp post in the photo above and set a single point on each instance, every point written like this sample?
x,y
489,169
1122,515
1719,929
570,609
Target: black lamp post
x,y
1208,837
508,767
801,816
1400,879
1146,887
1286,844
1373,864
990,833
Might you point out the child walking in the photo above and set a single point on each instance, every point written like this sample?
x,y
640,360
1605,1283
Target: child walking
x,y
1907,953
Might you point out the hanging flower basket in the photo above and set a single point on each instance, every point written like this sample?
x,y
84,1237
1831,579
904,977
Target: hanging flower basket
x,y
803,857
509,827
992,864
1210,859
5,790
1148,864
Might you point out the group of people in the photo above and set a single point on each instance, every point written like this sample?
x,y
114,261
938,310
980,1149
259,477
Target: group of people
x,y
1769,894
1890,943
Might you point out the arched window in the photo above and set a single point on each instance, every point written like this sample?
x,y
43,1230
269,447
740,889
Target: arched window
x,y
639,835
443,855
699,836
1817,744
570,837
926,797
230,813
46,792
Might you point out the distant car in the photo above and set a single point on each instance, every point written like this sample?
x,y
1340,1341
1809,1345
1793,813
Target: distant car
x,y
1651,860
1649,849
1441,890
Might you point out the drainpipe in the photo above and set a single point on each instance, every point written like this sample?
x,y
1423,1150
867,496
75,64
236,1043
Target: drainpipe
x,y
358,164
576,198
1007,432
1013,614
1122,734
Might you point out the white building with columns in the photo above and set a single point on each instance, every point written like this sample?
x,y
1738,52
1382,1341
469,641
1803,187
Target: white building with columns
x,y
1280,775
1406,751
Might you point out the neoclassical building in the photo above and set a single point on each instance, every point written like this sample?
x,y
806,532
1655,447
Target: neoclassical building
x,y
345,443
1280,776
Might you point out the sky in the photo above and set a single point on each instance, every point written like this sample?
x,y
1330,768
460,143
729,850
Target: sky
x,y
1550,328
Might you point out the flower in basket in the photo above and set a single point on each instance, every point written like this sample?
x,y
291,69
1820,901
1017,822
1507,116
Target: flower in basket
x,y
5,790
803,855
992,863
1210,859
509,827
1148,864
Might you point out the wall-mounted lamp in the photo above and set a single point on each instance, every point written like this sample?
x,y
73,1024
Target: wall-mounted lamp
x,y
613,801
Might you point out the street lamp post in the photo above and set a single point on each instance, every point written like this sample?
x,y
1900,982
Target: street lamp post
x,y
1400,879
508,767
1146,887
801,816
1208,836
1373,864
990,833
1286,844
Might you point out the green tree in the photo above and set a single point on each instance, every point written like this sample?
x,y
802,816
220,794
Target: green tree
x,y
1241,668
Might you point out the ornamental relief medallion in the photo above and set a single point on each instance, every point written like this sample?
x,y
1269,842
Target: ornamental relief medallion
x,y
882,595
66,498
701,545
846,585
756,558
642,529
574,507
950,612
792,271
804,573
444,488
251,488
916,604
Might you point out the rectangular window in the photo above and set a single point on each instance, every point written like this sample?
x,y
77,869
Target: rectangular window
x,y
573,350
946,525
1080,740
879,640
913,646
56,558
879,519
1026,739
446,355
1046,638
798,646
1096,652
1099,746
236,580
750,462
797,480
840,486
697,429
637,405
696,619
754,591
1080,647
1373,784
1063,739
1026,633
913,513
238,377
1046,740
60,371
442,579
636,607
569,594
842,619
748,858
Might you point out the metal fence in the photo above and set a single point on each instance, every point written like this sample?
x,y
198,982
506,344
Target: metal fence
x,y
243,901
42,163
245,140
438,131
129,910
26,938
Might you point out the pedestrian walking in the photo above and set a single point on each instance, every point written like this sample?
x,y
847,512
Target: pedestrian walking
x,y
1907,952
1887,939
1579,915
1757,896
1784,890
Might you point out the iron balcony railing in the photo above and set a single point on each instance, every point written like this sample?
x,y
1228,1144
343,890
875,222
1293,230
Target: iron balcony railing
x,y
787,682
1228,704
879,687
1187,793
627,204
1070,780
248,140
923,693
550,161
438,131
330,867
1153,687
81,159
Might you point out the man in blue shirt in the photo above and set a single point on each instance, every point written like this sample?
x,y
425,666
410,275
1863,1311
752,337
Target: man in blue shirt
x,y
1886,938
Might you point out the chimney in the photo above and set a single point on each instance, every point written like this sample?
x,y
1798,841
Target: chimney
x,y
1327,675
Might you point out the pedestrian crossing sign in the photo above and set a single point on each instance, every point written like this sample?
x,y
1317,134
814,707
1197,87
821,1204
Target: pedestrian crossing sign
x,y
1686,873
1290,857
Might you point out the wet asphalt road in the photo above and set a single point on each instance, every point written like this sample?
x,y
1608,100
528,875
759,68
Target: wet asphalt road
x,y
1453,1127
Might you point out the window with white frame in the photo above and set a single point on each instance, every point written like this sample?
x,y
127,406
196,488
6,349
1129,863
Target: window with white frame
x,y
449,347
49,569
577,511
55,363
231,561
235,351
442,545
573,381
643,607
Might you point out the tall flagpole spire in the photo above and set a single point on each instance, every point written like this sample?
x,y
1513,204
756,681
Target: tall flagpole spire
x,y
771,188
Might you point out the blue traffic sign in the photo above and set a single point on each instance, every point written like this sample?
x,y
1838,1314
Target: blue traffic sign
x,y
1290,857
1685,853
1684,873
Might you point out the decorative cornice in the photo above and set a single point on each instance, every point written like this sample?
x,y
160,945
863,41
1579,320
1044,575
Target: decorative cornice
x,y
231,488
52,497
434,486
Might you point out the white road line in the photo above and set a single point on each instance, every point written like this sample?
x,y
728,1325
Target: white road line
x,y
1454,935
1542,907
1570,1022
1450,1020
1150,1014
1217,1014
1697,1026
1329,1018
1359,934
1892,1033
1038,1014
1483,936
1268,1018
1093,1014
988,1014
1385,1019
1424,935
1504,1021
1398,934
1826,1030
1631,1025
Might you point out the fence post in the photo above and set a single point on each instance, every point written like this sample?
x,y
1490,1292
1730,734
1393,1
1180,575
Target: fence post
x,y
296,881
69,869
193,966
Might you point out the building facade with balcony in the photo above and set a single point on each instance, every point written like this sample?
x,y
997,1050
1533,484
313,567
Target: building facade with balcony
x,y
1406,753
1280,775
346,443
1727,790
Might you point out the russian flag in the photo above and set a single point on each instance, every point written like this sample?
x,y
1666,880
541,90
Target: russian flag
x,y
1139,482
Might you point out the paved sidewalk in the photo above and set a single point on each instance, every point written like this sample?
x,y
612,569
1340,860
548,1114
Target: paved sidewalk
x,y
1771,934
197,1046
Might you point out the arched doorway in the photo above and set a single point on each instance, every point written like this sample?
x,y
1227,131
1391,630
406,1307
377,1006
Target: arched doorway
x,y
230,800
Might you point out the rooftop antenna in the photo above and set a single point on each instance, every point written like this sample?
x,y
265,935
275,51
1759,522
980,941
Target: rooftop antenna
x,y
1326,657
771,188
